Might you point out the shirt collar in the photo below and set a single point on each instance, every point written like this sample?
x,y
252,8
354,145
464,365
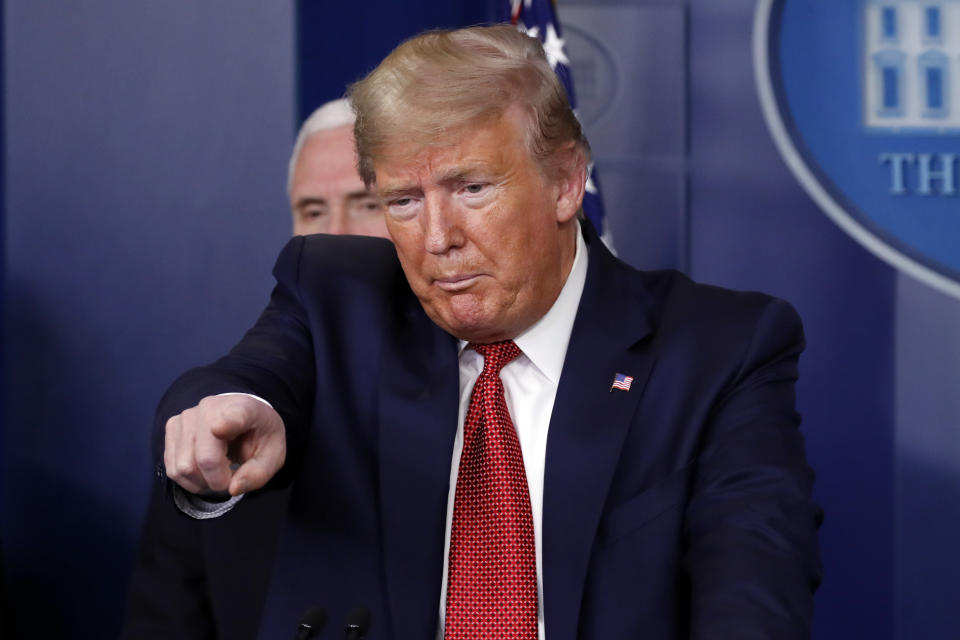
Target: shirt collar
x,y
545,343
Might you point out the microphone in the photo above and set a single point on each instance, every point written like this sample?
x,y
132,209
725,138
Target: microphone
x,y
311,624
358,623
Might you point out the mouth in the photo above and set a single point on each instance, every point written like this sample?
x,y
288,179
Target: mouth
x,y
453,284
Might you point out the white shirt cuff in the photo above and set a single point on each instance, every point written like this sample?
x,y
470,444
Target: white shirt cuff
x,y
200,509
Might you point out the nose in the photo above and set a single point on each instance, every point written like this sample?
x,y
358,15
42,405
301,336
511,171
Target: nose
x,y
442,229
338,223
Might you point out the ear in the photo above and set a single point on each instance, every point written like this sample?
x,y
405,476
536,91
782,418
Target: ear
x,y
571,181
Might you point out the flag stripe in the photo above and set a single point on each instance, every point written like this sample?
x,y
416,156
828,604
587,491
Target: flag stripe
x,y
539,19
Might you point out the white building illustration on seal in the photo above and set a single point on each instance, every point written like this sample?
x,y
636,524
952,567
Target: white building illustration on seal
x,y
911,66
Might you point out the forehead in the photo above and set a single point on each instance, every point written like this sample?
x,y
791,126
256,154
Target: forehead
x,y
329,144
492,146
327,155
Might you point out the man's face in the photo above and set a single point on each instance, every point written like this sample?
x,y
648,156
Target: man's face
x,y
485,239
327,195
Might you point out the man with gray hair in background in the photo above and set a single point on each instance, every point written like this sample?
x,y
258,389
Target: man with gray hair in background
x,y
326,192
494,428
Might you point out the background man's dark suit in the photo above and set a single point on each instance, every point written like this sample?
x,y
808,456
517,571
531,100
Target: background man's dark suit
x,y
680,507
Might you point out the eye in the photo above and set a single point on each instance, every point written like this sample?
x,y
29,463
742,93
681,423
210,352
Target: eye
x,y
476,192
403,208
310,214
365,207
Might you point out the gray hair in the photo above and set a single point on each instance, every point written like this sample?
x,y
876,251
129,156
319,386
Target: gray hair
x,y
330,115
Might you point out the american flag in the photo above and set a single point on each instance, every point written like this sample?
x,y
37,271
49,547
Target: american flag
x,y
538,18
621,382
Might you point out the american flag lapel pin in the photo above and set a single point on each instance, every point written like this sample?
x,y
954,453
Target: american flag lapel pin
x,y
621,382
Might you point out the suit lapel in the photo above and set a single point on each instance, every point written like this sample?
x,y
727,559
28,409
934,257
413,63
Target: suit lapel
x,y
588,427
419,393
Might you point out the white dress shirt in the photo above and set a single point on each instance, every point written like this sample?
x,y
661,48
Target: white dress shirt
x,y
530,388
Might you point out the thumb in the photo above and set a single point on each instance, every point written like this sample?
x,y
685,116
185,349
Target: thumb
x,y
255,472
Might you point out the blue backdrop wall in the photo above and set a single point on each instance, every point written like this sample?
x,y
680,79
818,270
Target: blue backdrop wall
x,y
145,150
144,205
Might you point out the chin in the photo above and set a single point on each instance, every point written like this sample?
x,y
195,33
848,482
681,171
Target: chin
x,y
481,333
467,321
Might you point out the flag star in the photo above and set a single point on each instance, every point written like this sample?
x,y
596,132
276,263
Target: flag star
x,y
533,32
591,185
553,47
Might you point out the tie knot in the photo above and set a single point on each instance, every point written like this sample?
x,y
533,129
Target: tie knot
x,y
497,355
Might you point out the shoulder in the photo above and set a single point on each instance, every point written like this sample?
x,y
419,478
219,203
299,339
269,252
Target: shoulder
x,y
673,304
704,320
729,333
357,256
339,264
677,299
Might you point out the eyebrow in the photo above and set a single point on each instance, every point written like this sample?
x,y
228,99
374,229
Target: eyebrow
x,y
357,195
308,200
459,174
453,175
390,194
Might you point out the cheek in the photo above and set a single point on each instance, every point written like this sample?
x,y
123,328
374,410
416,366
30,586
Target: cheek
x,y
531,250
406,242
405,235
413,268
375,227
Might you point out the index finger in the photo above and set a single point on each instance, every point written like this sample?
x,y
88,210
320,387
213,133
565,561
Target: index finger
x,y
234,420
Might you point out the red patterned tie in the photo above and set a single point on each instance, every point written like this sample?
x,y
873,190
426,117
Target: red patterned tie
x,y
492,577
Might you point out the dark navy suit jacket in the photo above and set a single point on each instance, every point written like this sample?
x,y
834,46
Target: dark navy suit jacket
x,y
680,508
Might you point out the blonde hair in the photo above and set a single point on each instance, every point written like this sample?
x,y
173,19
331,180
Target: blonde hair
x,y
440,81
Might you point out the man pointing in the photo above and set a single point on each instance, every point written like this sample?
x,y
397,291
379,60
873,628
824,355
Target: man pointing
x,y
495,429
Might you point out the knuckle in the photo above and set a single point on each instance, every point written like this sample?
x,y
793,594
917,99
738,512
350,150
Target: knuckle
x,y
171,430
208,462
183,470
187,417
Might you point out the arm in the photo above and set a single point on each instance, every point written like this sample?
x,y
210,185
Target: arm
x,y
750,529
167,596
169,593
206,435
